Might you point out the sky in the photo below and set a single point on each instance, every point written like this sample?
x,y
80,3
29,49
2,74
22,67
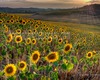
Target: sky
x,y
45,3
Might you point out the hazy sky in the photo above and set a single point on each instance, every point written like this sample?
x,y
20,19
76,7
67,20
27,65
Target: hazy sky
x,y
45,3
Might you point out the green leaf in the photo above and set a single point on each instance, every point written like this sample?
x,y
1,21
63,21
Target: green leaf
x,y
55,64
34,66
1,73
11,78
36,75
68,58
54,76
70,66
3,52
1,44
10,47
40,68
22,76
60,58
74,60
90,63
43,78
1,58
19,51
48,68
64,66
84,68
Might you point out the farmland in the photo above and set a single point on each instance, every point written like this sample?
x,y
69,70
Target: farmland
x,y
46,50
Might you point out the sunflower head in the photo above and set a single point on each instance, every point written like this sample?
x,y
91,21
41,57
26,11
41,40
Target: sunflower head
x,y
5,28
9,38
29,31
12,21
10,70
28,41
67,47
60,41
18,39
33,41
52,57
22,65
1,21
18,31
35,57
40,33
89,55
50,39
94,52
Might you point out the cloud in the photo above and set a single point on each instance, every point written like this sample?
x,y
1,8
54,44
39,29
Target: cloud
x,y
94,1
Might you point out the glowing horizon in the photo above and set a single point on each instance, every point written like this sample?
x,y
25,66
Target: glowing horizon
x,y
45,3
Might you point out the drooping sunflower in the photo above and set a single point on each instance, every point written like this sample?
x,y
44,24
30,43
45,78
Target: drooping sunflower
x,y
44,39
5,28
10,70
22,65
18,31
89,55
28,41
40,33
67,47
35,57
52,57
94,52
18,39
9,38
33,41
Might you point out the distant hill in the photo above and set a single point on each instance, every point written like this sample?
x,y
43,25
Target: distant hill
x,y
89,14
93,9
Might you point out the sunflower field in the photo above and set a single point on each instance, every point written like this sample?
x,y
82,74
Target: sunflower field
x,y
42,50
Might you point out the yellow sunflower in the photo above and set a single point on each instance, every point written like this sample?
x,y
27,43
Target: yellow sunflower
x,y
33,41
67,47
18,31
6,28
89,55
35,56
28,41
18,39
94,52
8,21
52,57
12,21
9,38
40,33
10,70
13,34
60,41
22,65
34,31
1,21
50,39
29,31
